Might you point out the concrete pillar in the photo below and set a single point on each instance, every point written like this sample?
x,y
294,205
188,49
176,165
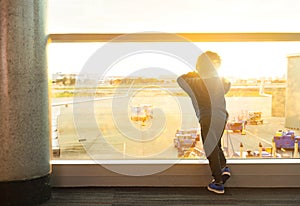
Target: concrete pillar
x,y
24,109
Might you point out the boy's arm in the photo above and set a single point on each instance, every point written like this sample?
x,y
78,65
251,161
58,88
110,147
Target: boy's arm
x,y
226,85
182,82
185,81
190,75
188,82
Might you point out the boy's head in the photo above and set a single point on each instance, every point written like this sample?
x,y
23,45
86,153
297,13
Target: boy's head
x,y
207,64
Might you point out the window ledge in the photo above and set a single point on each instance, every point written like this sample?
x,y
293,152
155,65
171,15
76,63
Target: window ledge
x,y
179,173
148,161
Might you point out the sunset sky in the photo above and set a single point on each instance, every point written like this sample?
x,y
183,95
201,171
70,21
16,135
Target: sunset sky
x,y
127,16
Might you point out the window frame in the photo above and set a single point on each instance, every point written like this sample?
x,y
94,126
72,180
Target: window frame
x,y
165,37
194,173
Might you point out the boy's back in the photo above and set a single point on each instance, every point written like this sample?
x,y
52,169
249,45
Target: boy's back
x,y
207,95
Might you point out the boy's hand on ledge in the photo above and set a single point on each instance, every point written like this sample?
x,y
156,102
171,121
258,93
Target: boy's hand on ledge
x,y
191,75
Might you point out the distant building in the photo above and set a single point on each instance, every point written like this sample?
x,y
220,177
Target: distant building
x,y
292,108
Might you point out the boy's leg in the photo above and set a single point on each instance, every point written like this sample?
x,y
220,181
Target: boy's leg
x,y
226,173
222,156
221,152
217,185
214,155
215,165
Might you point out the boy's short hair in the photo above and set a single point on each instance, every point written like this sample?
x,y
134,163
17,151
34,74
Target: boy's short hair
x,y
207,63
213,56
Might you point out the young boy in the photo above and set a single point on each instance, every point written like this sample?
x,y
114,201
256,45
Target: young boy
x,y
207,92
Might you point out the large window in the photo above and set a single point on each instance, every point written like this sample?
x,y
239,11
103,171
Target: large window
x,y
139,112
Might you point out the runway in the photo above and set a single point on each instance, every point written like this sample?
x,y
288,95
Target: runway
x,y
103,129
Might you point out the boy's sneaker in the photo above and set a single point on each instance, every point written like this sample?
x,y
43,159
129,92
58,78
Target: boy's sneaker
x,y
216,188
226,173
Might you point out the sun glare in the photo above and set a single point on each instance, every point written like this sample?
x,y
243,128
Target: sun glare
x,y
239,60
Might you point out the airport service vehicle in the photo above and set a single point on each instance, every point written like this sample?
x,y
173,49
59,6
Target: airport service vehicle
x,y
236,126
286,139
141,112
185,140
254,118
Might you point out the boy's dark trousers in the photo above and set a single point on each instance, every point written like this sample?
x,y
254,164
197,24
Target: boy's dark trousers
x,y
216,158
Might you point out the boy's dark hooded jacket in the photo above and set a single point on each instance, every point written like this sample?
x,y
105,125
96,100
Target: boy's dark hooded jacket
x,y
207,94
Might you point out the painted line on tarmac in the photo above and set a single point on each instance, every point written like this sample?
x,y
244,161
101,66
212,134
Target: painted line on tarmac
x,y
263,140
